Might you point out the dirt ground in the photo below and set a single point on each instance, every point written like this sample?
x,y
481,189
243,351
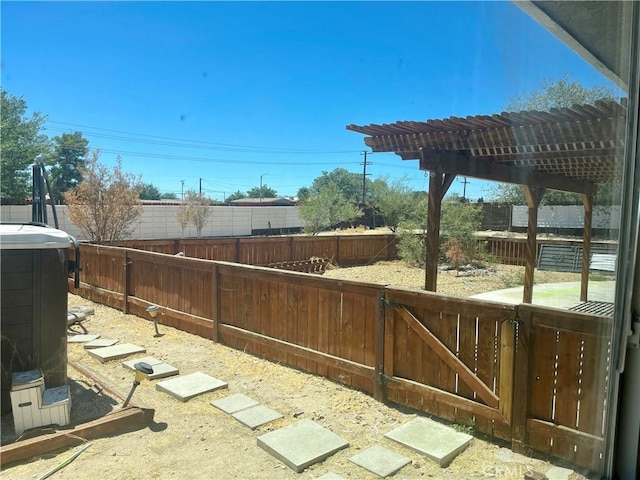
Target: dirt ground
x,y
195,440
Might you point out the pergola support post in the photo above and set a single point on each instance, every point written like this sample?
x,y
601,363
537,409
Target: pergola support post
x,y
439,183
587,201
533,196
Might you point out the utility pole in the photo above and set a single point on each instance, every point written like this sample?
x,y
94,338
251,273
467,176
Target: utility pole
x,y
261,186
200,187
364,175
464,188
182,182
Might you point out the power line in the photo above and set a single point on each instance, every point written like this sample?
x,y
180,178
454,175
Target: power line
x,y
170,141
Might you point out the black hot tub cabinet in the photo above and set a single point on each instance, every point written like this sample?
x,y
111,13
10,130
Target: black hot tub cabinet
x,y
33,295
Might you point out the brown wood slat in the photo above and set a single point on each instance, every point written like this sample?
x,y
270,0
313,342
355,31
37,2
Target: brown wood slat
x,y
445,353
542,373
566,410
593,384
467,356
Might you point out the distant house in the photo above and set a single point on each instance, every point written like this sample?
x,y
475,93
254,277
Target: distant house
x,y
264,202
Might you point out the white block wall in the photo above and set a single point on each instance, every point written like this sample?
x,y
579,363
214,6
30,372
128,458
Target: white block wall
x,y
159,221
567,216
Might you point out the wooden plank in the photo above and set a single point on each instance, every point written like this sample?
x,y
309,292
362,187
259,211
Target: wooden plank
x,y
200,326
436,302
506,371
466,375
324,319
312,326
567,380
215,303
533,196
302,315
588,448
389,347
467,356
380,337
542,373
594,365
119,421
557,319
587,202
521,383
440,396
338,363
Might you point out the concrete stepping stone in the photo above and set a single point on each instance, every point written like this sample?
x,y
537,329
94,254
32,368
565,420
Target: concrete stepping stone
x,y
117,351
234,403
558,473
160,368
380,460
82,338
253,417
100,343
186,387
438,442
301,444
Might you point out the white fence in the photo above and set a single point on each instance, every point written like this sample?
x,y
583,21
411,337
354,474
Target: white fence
x,y
159,221
567,216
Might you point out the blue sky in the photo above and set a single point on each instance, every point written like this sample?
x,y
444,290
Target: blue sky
x,y
228,92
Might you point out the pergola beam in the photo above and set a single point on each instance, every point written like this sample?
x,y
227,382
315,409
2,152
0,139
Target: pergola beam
x,y
463,163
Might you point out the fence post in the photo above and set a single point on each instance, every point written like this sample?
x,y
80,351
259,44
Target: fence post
x,y
521,381
125,283
215,302
378,382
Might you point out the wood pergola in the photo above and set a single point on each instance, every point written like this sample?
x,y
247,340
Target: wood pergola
x,y
570,149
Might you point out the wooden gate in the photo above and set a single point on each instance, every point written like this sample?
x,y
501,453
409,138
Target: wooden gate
x,y
451,357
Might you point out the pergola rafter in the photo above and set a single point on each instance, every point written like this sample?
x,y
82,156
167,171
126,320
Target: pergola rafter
x,y
569,149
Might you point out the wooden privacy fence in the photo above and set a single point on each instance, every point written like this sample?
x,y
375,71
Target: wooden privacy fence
x,y
532,376
340,249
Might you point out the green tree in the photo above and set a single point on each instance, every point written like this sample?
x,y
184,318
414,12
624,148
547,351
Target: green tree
x,y
21,142
303,193
326,208
561,93
235,196
168,196
105,204
460,220
349,184
262,192
394,201
67,160
148,191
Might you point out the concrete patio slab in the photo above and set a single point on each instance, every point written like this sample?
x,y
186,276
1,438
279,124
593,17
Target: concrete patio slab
x,y
438,442
301,444
82,338
380,460
117,351
234,403
160,368
186,387
100,343
253,417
